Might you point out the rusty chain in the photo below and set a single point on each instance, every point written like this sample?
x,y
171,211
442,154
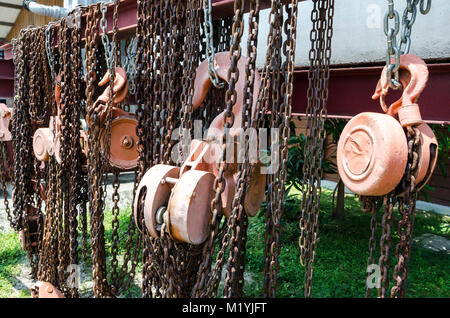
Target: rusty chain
x,y
406,207
94,160
318,76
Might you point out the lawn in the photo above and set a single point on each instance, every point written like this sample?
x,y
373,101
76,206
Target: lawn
x,y
342,253
340,259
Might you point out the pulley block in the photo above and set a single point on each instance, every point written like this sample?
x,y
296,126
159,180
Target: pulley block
x,y
179,199
47,141
182,204
123,152
372,150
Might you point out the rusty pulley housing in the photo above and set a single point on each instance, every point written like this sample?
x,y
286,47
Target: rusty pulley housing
x,y
123,153
120,137
179,198
373,149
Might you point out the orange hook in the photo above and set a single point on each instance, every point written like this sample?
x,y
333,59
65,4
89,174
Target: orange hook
x,y
203,84
413,75
120,88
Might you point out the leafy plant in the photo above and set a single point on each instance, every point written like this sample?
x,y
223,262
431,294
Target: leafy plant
x,y
296,161
334,128
442,133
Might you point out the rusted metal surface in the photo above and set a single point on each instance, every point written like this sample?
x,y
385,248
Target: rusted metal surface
x,y
122,152
189,207
45,290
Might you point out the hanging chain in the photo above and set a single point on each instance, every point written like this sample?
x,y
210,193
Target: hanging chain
x,y
236,262
318,76
5,176
371,205
406,207
394,48
130,65
207,30
208,277
95,162
160,60
386,243
29,69
219,182
48,50
110,46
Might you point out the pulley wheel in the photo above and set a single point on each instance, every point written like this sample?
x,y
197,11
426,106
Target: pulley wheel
x,y
123,151
156,192
189,207
372,154
41,140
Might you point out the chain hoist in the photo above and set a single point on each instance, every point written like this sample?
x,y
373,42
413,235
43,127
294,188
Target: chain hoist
x,y
161,26
162,211
391,155
111,147
407,151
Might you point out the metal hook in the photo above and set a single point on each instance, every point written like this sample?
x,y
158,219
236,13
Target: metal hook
x,y
413,78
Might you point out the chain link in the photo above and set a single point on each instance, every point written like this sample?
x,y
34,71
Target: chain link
x,y
318,76
208,30
394,48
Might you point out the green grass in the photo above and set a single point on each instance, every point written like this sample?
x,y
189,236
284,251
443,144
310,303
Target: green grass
x,y
340,259
342,252
11,257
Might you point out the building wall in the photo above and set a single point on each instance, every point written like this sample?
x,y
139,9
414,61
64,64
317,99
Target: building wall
x,y
358,32
27,18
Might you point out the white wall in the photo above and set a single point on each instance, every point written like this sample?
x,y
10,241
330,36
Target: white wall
x,y
358,31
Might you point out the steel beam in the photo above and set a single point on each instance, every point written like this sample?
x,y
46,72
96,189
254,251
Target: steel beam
x,y
351,88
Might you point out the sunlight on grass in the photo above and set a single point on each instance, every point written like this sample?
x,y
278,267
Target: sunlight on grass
x,y
10,254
